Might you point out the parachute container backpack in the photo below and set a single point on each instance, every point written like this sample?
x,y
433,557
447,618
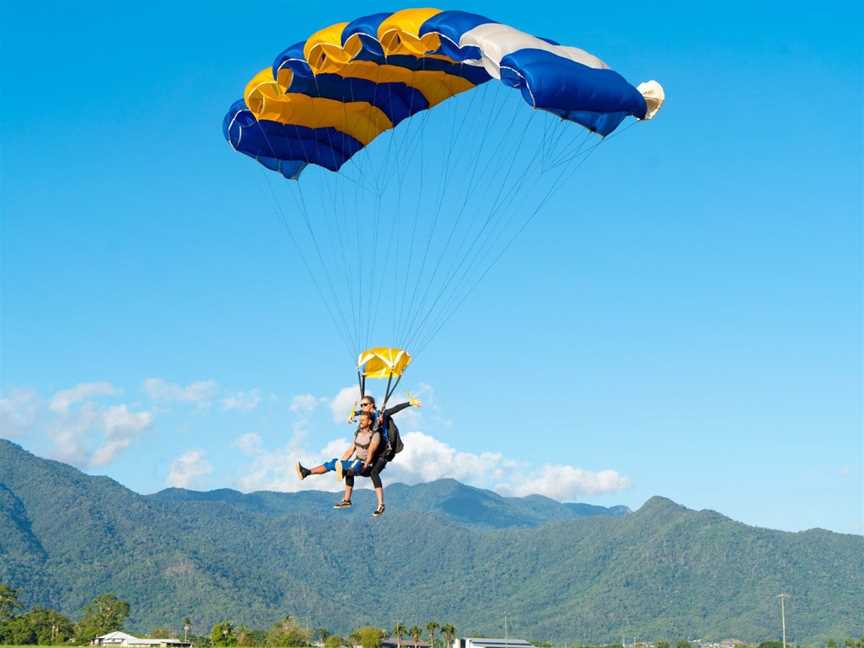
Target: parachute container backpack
x,y
405,152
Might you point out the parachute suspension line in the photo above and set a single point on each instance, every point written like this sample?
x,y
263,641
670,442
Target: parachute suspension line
x,y
386,172
448,165
367,237
603,139
286,223
322,295
311,230
470,190
332,184
489,219
350,265
347,258
565,172
387,391
492,234
414,222
421,271
401,172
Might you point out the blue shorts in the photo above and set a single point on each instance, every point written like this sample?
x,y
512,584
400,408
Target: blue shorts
x,y
356,465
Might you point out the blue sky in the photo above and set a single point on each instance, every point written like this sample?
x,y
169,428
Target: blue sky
x,y
683,318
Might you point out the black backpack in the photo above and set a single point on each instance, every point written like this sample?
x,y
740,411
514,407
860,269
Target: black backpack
x,y
394,442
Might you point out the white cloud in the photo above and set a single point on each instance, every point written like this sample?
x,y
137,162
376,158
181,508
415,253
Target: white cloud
x,y
87,433
242,401
189,468
202,392
274,469
64,399
121,427
341,403
565,483
19,410
305,403
248,444
425,458
71,432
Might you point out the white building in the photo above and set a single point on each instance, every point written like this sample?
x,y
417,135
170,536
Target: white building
x,y
118,638
477,642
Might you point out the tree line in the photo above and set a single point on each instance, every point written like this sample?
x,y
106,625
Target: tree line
x,y
44,626
107,613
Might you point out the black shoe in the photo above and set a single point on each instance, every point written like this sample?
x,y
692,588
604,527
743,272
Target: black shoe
x,y
302,473
344,504
378,512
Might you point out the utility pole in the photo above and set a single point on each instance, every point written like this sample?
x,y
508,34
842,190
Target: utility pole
x,y
782,596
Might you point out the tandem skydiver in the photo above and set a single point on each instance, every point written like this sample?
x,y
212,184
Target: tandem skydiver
x,y
373,447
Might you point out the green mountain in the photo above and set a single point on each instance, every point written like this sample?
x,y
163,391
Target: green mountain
x,y
443,551
447,498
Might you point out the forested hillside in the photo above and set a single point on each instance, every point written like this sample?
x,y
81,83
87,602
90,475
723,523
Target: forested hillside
x,y
443,551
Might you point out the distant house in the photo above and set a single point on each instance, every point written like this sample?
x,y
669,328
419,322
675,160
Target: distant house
x,y
407,642
476,642
118,638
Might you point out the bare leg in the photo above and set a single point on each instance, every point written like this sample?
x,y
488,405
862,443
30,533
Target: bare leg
x,y
303,472
379,495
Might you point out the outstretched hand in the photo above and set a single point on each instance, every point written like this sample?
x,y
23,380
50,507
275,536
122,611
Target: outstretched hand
x,y
415,402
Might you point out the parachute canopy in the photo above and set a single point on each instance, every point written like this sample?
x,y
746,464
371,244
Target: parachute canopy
x,y
383,362
326,98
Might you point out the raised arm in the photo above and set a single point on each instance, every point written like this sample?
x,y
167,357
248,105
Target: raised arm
x,y
390,411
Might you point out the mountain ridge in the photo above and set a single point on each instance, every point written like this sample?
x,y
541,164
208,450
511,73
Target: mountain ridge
x,y
660,571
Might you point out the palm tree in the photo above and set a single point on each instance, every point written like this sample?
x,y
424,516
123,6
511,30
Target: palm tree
x,y
399,631
449,633
431,628
415,633
187,626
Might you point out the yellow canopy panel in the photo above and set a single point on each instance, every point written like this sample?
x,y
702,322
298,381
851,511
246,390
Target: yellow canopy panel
x,y
383,362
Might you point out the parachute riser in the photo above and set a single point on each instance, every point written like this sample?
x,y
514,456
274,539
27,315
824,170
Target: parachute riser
x,y
389,392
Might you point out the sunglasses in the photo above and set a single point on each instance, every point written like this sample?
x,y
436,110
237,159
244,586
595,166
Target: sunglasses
x,y
364,404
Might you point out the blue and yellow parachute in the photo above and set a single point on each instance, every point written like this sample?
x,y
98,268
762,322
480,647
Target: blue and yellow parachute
x,y
396,241
327,97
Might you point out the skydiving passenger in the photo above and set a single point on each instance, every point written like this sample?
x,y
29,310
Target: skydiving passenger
x,y
374,432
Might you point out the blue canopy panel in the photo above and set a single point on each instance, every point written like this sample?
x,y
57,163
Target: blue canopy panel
x,y
451,25
598,99
366,29
286,148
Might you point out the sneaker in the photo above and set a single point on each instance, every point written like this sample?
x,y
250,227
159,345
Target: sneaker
x,y
344,504
302,473
340,473
378,512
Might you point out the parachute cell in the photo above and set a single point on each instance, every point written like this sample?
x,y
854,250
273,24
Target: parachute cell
x,y
326,98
